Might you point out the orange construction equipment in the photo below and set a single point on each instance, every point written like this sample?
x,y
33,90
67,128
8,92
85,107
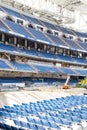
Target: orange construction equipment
x,y
66,83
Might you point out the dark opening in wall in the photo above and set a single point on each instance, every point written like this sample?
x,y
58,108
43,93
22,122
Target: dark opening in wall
x,y
49,31
9,18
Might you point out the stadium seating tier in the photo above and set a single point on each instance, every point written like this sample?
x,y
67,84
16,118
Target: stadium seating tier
x,y
47,114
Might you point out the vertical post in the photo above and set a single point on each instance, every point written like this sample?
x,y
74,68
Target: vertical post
x,y
35,45
3,37
15,40
25,43
44,47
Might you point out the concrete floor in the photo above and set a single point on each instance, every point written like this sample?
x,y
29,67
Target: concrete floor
x,y
36,94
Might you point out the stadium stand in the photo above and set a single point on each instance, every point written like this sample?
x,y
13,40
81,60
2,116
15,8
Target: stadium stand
x,y
3,65
32,67
11,12
18,29
46,114
37,54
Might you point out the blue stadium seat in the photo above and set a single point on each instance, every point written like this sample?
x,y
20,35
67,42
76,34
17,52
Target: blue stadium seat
x,y
34,53
8,127
24,124
83,44
3,65
2,126
3,28
19,30
67,71
33,20
39,36
21,66
53,117
47,69
37,121
33,126
8,47
30,120
72,44
82,72
56,41
76,119
65,30
14,128
49,25
84,116
13,13
80,34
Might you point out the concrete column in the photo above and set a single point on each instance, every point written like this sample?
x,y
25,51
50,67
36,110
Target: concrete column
x,y
25,43
35,45
15,40
3,37
44,47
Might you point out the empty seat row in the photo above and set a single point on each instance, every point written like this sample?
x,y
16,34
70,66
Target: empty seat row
x,y
36,35
20,66
42,23
33,53
57,113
